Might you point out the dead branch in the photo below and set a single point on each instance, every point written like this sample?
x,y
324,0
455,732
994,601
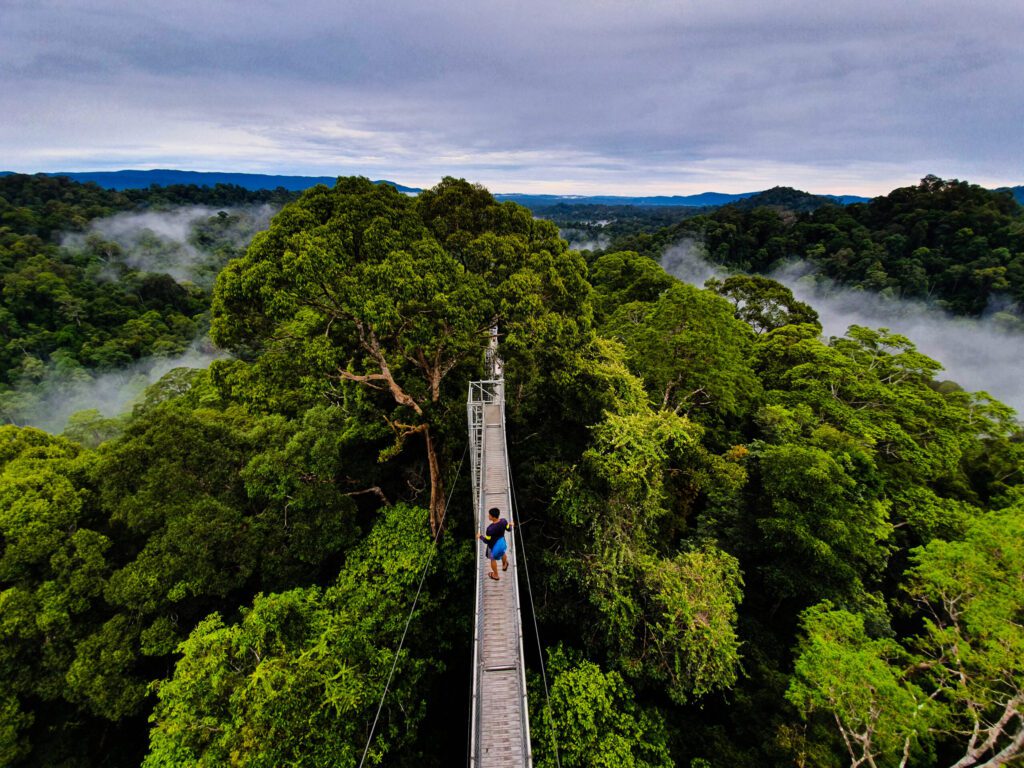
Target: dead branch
x,y
375,490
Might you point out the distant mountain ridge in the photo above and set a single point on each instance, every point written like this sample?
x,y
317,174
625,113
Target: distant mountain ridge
x,y
1017,192
787,198
142,179
136,179
777,196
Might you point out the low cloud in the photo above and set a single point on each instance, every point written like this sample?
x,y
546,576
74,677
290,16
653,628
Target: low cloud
x,y
583,240
189,243
571,97
186,243
983,354
48,403
686,261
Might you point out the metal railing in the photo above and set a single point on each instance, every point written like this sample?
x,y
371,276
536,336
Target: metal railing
x,y
490,392
481,394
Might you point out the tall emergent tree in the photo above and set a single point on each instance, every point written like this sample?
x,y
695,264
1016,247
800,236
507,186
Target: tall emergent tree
x,y
363,296
956,686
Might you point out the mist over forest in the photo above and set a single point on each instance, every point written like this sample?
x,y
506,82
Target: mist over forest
x,y
978,353
983,353
49,401
188,244
771,520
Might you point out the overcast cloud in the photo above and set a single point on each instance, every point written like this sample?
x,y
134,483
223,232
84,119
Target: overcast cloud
x,y
575,96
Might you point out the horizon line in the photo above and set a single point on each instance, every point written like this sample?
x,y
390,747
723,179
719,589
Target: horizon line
x,y
634,195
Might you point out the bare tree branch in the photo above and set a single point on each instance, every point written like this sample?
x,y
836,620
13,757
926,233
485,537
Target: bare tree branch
x,y
375,490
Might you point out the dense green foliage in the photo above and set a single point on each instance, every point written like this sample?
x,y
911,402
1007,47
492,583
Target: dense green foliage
x,y
597,226
300,674
77,300
949,242
750,545
961,673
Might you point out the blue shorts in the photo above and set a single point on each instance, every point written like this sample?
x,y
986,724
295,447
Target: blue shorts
x,y
498,550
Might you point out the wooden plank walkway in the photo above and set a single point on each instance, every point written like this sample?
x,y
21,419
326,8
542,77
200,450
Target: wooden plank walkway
x,y
500,733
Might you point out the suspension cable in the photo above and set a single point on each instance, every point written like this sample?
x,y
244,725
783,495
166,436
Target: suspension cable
x,y
533,615
412,610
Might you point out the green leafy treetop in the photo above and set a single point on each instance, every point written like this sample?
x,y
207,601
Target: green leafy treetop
x,y
359,294
763,302
957,685
297,680
592,720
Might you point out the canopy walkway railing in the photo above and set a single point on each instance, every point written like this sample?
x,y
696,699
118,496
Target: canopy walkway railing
x,y
500,726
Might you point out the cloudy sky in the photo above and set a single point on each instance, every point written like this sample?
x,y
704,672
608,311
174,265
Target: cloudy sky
x,y
570,96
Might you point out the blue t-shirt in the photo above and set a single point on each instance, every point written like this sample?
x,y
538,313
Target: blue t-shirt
x,y
495,531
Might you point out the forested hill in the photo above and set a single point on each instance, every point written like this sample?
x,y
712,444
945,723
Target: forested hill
x,y
789,199
597,225
1017,192
79,297
138,179
750,546
949,242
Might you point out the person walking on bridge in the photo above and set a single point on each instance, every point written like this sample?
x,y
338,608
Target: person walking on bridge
x,y
494,538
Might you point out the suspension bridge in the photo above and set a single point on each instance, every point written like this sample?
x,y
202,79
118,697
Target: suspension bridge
x,y
499,728
499,718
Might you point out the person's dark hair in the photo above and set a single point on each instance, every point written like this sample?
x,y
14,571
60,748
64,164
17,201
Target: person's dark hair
x,y
494,512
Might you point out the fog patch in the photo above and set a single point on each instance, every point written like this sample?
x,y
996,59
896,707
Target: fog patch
x,y
685,260
985,354
62,391
189,243
584,240
979,354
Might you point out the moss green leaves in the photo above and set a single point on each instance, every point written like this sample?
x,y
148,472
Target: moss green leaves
x,y
297,680
594,721
958,682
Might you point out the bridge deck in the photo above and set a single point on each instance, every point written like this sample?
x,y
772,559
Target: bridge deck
x,y
500,731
